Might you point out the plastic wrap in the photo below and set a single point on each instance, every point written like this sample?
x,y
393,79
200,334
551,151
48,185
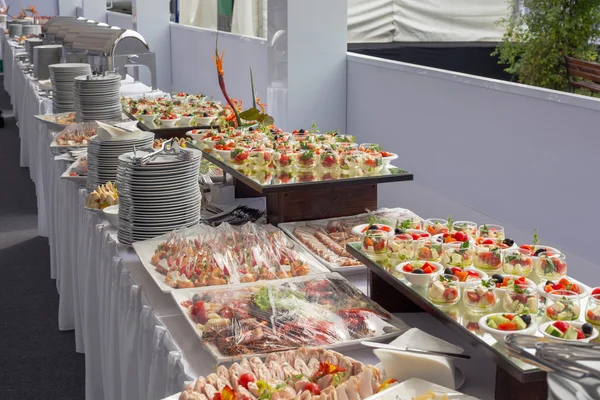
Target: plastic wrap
x,y
76,134
324,310
206,256
326,239
301,373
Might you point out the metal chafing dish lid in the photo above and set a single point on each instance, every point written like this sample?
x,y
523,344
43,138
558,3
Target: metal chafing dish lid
x,y
75,31
111,42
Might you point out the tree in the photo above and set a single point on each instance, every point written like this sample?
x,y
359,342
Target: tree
x,y
536,42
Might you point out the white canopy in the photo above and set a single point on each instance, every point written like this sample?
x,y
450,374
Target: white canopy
x,y
426,20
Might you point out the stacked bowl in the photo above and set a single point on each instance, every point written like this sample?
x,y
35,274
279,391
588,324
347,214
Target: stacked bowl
x,y
103,156
159,196
62,77
15,29
30,44
28,30
43,56
97,97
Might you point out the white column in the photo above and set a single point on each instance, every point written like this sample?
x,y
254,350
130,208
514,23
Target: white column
x,y
67,8
95,10
151,18
307,63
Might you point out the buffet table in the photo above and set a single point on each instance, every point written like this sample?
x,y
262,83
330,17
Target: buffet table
x,y
24,91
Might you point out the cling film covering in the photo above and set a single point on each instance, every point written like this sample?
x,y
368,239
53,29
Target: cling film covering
x,y
206,256
76,134
323,310
327,239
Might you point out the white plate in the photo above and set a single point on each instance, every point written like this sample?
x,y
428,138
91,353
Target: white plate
x,y
530,283
413,387
181,295
585,289
145,251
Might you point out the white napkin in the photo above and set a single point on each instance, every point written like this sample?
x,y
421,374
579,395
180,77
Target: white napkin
x,y
402,366
120,131
45,84
416,338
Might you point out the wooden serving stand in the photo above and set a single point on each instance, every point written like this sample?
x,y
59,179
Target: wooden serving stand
x,y
312,200
512,382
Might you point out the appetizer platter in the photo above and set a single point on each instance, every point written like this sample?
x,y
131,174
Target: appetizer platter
x,y
177,112
203,256
506,288
304,373
73,136
103,196
57,121
264,317
269,156
77,172
326,239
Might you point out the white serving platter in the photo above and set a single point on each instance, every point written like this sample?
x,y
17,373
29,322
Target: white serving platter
x,y
182,295
145,251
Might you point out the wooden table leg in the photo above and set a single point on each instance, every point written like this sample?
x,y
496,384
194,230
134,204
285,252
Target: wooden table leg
x,y
310,204
509,388
388,297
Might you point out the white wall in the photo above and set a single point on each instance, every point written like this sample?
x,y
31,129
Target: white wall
x,y
48,8
193,70
119,19
485,150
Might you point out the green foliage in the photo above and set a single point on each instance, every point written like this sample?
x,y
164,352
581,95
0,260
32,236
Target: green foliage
x,y
535,43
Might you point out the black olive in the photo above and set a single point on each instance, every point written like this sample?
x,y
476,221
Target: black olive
x,y
251,129
448,271
549,283
301,131
509,242
418,271
497,277
526,318
398,231
538,251
373,227
272,130
587,329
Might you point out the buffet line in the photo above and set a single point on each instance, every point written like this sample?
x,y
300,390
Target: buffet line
x,y
274,302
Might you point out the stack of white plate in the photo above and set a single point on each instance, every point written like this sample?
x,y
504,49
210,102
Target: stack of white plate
x,y
14,29
97,97
62,77
30,44
28,30
103,157
43,56
157,197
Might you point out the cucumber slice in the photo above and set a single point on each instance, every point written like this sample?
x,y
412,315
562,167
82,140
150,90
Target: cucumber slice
x,y
499,319
492,324
520,323
571,333
552,331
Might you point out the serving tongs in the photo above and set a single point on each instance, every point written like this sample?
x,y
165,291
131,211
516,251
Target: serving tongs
x,y
564,359
405,349
169,148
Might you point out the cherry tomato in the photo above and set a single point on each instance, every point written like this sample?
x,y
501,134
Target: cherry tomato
x,y
313,388
245,379
596,291
508,326
460,236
